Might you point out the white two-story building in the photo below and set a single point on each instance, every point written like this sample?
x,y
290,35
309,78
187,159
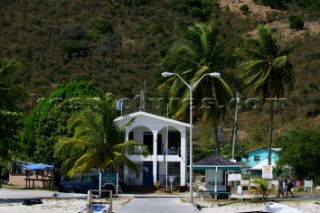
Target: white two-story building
x,y
167,143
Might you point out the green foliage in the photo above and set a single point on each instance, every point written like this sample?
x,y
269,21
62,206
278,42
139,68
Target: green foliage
x,y
301,151
240,152
99,26
9,95
131,3
48,120
267,68
96,141
195,8
276,4
262,188
245,9
9,141
34,33
311,4
72,46
296,22
277,171
197,54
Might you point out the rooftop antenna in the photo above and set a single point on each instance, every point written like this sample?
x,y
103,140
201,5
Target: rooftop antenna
x,y
142,102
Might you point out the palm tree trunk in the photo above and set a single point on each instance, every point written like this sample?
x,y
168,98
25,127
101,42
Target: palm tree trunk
x,y
216,137
270,130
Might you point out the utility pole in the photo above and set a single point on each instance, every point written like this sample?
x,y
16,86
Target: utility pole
x,y
235,126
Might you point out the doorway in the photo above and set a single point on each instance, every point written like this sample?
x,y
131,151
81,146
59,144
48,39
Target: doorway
x,y
147,173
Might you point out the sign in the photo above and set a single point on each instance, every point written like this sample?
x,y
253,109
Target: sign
x,y
308,183
109,177
267,172
234,177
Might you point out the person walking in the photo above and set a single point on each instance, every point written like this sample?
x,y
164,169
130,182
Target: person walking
x,y
290,187
280,187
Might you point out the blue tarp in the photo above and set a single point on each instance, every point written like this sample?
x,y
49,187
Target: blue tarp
x,y
37,166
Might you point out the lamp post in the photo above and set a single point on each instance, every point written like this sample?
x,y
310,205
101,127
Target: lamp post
x,y
213,74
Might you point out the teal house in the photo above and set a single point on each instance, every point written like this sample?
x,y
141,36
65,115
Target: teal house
x,y
260,156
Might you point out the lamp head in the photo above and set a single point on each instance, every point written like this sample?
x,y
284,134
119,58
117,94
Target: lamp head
x,y
215,74
166,74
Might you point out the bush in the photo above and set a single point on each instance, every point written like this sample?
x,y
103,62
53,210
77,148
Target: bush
x,y
296,22
74,47
99,26
245,9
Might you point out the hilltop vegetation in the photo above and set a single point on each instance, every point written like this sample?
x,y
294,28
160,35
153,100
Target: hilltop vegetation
x,y
118,45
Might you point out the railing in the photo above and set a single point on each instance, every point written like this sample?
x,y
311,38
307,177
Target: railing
x,y
171,151
138,150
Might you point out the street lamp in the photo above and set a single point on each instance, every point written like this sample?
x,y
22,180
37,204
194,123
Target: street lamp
x,y
213,74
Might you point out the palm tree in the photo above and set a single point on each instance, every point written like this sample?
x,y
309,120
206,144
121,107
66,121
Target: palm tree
x,y
8,94
96,142
261,187
267,70
196,54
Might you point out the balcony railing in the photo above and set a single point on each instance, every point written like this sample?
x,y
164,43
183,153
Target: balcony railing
x,y
138,150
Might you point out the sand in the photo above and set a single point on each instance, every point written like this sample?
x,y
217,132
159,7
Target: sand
x,y
306,206
57,206
74,205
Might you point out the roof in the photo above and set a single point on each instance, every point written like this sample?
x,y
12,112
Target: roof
x,y
273,149
214,162
157,117
260,165
37,166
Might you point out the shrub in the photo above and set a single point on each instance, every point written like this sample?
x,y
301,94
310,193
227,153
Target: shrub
x,y
296,22
72,46
99,26
262,188
245,9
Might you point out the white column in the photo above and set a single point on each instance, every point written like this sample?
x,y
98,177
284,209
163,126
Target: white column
x,y
154,157
183,159
126,171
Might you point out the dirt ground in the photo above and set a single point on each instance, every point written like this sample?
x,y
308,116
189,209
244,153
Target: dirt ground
x,y
261,12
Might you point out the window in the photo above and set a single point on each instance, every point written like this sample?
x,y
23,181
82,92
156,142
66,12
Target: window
x,y
257,158
174,169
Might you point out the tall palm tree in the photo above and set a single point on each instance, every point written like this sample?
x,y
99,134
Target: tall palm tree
x,y
96,142
267,70
196,54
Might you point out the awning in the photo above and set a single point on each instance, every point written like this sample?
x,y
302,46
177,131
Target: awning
x,y
38,166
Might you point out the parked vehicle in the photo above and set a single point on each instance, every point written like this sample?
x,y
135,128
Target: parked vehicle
x,y
81,183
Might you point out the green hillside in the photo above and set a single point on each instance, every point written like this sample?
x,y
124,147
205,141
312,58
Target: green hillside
x,y
119,44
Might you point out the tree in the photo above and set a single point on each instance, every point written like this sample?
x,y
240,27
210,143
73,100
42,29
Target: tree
x,y
10,121
267,70
301,152
240,152
277,171
48,120
262,188
9,95
96,141
296,22
9,137
197,53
